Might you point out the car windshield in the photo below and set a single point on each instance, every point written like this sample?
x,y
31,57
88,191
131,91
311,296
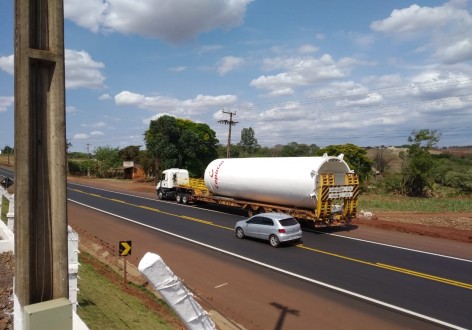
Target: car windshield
x,y
288,222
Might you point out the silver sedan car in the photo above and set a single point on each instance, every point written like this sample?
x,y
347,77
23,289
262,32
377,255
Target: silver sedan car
x,y
274,227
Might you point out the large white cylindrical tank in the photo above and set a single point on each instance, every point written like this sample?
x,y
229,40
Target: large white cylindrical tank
x,y
288,181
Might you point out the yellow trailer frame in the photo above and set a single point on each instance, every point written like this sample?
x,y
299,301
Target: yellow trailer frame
x,y
322,216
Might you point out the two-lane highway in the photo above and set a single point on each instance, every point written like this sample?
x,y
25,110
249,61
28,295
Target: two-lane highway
x,y
432,287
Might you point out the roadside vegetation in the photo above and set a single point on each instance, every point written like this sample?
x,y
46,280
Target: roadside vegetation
x,y
417,169
398,203
106,303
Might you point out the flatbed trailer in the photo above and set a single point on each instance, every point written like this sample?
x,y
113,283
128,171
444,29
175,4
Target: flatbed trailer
x,y
327,212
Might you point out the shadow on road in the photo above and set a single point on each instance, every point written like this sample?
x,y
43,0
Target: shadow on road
x,y
284,310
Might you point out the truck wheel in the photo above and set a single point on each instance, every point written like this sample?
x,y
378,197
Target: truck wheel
x,y
274,241
239,232
160,195
185,199
178,198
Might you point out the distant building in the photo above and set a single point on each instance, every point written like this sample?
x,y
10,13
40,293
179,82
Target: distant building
x,y
132,171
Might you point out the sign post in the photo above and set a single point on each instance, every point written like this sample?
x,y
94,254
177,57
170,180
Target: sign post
x,y
124,250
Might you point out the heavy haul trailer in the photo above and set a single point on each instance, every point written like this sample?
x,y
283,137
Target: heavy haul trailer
x,y
322,190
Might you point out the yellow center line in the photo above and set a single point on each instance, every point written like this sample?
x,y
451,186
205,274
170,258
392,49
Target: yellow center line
x,y
393,268
301,246
156,210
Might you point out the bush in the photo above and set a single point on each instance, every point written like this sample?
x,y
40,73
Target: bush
x,y
459,180
82,167
393,183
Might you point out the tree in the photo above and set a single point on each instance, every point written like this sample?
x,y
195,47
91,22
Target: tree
x,y
417,162
355,156
181,143
381,160
130,153
7,150
68,145
294,149
107,158
248,141
146,160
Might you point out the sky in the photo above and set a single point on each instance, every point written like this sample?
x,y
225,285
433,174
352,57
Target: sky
x,y
315,72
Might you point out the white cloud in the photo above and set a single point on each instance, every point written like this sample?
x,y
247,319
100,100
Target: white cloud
x,y
366,100
414,19
171,21
439,84
71,109
6,102
88,14
80,136
178,69
82,71
199,104
155,117
96,133
94,125
456,52
228,64
7,64
281,92
448,28
302,71
306,49
105,97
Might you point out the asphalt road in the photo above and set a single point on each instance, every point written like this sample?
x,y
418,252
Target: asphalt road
x,y
402,287
433,287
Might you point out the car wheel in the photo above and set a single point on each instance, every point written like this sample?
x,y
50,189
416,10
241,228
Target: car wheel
x,y
178,198
160,195
239,232
274,241
185,199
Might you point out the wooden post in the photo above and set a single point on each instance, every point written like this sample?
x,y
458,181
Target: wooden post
x,y
124,275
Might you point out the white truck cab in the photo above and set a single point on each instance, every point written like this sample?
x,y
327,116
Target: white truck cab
x,y
170,179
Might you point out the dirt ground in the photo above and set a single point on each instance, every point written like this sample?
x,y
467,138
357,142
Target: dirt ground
x,y
452,226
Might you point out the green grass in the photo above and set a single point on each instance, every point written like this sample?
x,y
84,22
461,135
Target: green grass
x,y
414,204
105,305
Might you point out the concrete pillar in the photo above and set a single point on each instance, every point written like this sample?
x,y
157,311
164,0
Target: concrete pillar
x,y
41,271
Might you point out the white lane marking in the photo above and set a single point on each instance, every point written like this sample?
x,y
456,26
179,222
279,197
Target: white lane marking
x,y
326,285
219,286
394,246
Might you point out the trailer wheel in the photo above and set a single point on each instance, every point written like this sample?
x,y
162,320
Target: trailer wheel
x,y
185,199
250,211
178,198
274,241
239,232
160,195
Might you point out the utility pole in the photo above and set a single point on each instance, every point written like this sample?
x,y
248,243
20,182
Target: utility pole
x,y
41,262
88,156
230,123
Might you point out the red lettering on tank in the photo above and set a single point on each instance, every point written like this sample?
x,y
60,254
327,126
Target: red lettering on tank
x,y
216,173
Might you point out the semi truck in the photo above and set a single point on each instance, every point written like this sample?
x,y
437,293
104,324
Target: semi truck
x,y
320,190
